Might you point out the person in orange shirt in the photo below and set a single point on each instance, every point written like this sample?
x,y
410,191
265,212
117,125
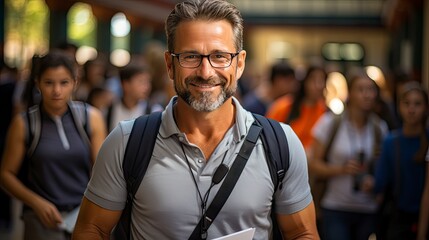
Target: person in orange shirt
x,y
304,109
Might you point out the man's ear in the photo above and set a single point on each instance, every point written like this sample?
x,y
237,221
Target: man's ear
x,y
169,64
241,63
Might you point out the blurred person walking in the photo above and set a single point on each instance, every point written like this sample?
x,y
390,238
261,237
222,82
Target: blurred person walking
x,y
93,75
8,82
282,81
400,171
136,88
348,209
47,159
101,98
304,109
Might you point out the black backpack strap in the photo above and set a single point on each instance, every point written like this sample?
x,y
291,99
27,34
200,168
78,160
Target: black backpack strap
x,y
136,160
276,147
229,182
109,116
148,107
277,150
334,129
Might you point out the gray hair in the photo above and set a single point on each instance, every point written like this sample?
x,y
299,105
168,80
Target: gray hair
x,y
210,10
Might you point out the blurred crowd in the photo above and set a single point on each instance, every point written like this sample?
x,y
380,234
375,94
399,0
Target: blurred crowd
x,y
368,164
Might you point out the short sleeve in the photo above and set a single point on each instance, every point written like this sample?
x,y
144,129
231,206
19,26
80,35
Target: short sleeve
x,y
295,194
321,127
107,187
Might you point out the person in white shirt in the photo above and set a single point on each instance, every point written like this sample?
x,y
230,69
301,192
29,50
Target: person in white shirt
x,y
136,88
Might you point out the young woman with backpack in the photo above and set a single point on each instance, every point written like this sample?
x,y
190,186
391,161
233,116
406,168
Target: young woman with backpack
x,y
348,209
51,178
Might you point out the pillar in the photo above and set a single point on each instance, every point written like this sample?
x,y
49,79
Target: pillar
x,y
58,21
139,38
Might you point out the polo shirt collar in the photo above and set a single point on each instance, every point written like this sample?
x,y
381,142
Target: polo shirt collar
x,y
243,121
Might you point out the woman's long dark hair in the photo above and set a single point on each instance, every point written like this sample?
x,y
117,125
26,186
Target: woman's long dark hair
x,y
39,64
30,95
295,111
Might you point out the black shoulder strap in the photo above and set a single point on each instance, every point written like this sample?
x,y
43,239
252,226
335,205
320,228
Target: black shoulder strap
x,y
334,129
109,116
148,107
277,150
136,160
378,138
276,147
229,182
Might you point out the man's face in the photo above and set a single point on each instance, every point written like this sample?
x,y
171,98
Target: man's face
x,y
205,88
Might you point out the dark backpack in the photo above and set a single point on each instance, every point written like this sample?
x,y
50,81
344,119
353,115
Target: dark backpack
x,y
142,141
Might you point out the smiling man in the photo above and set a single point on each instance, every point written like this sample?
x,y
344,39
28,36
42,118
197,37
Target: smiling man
x,y
202,129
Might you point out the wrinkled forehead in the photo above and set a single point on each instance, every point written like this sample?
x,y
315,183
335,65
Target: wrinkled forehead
x,y
202,33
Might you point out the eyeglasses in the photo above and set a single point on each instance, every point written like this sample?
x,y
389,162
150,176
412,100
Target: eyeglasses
x,y
193,60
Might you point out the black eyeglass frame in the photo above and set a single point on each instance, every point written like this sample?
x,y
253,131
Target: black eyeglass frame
x,y
233,55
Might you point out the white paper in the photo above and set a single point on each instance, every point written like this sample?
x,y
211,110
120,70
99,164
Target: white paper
x,y
69,220
246,234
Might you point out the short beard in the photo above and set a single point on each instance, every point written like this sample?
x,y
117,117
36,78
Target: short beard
x,y
205,102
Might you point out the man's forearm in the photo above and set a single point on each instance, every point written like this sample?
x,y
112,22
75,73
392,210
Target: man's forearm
x,y
89,232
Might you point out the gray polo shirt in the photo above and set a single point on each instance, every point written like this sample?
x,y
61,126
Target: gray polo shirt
x,y
167,204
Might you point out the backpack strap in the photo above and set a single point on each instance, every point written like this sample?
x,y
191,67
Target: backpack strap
x,y
378,136
79,111
276,148
109,115
137,156
277,151
148,107
34,126
200,231
334,129
318,184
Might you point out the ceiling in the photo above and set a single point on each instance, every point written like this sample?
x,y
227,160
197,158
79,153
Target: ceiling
x,y
312,12
289,12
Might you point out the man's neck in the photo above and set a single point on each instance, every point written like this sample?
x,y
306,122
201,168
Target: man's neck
x,y
189,119
204,129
